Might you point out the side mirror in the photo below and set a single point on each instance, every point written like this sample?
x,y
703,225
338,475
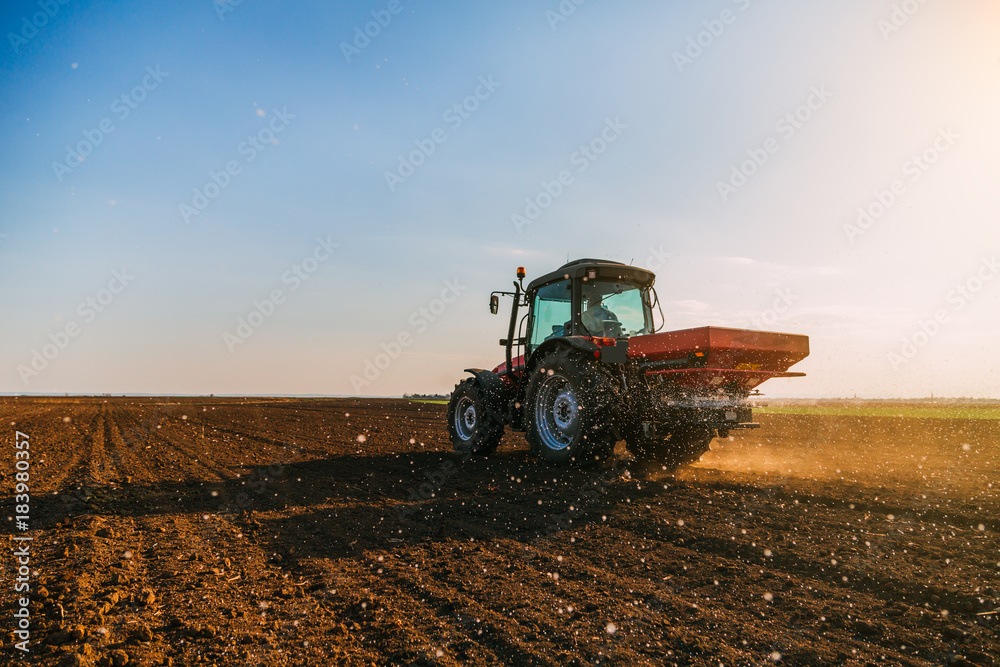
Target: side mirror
x,y
494,304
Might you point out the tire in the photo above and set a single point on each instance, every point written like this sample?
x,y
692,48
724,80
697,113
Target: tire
x,y
474,422
571,407
683,446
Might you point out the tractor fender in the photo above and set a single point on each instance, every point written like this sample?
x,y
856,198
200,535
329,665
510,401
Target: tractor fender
x,y
580,343
495,389
490,382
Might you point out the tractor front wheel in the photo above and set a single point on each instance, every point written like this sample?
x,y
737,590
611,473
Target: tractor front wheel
x,y
474,422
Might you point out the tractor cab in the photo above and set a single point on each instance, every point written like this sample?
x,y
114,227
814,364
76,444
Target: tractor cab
x,y
595,299
589,297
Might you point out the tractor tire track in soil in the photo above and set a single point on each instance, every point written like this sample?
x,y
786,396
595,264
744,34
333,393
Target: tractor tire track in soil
x,y
192,531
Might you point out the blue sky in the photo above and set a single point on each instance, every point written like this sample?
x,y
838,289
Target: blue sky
x,y
873,86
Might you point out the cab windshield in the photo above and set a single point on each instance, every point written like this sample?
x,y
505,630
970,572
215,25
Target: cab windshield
x,y
614,309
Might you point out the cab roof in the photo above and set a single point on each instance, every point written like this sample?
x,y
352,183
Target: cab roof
x,y
604,269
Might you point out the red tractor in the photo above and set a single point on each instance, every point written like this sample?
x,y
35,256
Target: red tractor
x,y
590,370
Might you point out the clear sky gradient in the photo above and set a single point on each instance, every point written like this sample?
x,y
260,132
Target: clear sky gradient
x,y
234,153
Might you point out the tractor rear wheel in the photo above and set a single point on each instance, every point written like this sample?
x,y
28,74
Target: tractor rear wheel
x,y
474,419
685,445
570,407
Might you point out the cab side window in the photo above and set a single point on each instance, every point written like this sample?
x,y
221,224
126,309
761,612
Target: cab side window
x,y
552,312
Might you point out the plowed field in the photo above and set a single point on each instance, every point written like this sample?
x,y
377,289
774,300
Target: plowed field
x,y
314,532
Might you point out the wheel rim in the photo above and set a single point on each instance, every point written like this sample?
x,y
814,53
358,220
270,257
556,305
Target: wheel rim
x,y
557,412
465,418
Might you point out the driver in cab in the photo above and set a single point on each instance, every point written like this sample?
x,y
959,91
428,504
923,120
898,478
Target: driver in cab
x,y
598,319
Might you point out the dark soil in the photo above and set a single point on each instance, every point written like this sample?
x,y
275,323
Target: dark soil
x,y
315,532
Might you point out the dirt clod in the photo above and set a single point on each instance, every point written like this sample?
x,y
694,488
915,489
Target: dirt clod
x,y
142,633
